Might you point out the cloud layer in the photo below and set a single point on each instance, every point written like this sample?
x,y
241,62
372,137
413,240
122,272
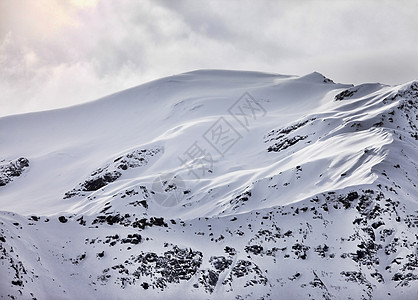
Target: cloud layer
x,y
55,53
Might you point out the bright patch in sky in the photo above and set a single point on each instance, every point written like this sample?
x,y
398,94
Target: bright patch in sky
x,y
55,53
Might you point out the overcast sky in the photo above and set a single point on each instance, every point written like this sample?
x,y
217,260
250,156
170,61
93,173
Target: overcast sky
x,y
56,53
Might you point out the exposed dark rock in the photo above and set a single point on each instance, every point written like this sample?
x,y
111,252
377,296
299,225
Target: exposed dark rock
x,y
113,171
62,219
229,250
346,94
243,268
145,285
12,169
132,239
322,250
254,249
96,183
300,250
278,134
17,282
220,263
286,143
172,267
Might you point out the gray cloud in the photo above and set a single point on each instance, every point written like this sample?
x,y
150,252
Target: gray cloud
x,y
55,53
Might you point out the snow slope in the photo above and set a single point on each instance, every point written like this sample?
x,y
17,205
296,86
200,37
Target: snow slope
x,y
214,184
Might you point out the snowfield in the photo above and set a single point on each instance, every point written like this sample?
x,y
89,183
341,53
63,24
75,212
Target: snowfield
x,y
214,184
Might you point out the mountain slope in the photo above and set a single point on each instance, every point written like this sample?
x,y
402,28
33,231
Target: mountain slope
x,y
218,183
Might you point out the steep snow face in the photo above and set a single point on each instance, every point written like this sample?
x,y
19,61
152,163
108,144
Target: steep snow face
x,y
171,114
220,183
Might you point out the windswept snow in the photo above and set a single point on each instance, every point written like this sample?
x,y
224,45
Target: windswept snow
x,y
215,184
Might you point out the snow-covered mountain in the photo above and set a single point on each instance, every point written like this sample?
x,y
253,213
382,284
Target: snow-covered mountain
x,y
214,185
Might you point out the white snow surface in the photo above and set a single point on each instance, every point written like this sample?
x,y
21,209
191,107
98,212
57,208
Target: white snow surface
x,y
311,164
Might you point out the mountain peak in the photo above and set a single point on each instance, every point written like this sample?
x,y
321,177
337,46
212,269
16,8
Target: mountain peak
x,y
317,77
